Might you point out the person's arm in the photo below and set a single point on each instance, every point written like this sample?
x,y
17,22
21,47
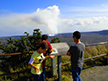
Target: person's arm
x,y
70,51
31,65
68,54
51,50
50,47
50,56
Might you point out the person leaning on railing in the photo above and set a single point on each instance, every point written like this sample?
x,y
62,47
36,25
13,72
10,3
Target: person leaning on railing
x,y
36,61
44,39
77,56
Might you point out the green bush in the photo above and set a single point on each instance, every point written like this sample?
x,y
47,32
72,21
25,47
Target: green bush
x,y
65,78
101,49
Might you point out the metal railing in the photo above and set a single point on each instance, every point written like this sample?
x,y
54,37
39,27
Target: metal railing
x,y
101,55
3,57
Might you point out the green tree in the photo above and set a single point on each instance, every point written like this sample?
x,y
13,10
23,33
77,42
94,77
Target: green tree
x,y
24,44
55,40
31,41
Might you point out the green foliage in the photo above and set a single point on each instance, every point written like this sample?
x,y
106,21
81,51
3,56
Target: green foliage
x,y
15,77
95,50
94,62
48,62
66,67
102,49
55,40
65,78
30,41
24,44
90,51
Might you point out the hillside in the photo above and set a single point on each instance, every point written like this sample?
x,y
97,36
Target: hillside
x,y
87,37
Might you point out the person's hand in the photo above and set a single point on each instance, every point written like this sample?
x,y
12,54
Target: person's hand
x,y
69,54
36,70
51,56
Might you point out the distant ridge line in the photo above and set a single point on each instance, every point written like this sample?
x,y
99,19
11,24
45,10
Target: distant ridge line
x,y
103,32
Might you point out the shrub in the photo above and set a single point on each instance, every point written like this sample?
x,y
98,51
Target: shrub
x,y
101,49
65,78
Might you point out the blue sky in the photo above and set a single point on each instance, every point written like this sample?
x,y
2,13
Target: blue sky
x,y
52,16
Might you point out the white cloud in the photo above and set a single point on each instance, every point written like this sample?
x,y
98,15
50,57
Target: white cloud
x,y
84,24
49,22
85,21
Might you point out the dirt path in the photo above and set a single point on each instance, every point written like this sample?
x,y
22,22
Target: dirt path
x,y
97,73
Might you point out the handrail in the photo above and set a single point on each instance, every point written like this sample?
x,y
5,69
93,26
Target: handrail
x,y
20,53
30,52
94,44
87,58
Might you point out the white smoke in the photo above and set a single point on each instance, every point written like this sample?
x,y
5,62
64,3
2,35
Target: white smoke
x,y
46,20
49,18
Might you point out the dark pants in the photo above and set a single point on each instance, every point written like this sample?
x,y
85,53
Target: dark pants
x,y
43,74
38,77
76,73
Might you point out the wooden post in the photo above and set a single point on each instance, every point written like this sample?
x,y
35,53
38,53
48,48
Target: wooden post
x,y
53,65
58,50
59,68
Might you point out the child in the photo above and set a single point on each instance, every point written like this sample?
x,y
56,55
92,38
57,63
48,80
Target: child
x,y
44,39
36,61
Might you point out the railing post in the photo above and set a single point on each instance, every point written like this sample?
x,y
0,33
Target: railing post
x,y
59,68
53,65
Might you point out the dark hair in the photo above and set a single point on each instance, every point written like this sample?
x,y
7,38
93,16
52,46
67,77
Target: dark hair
x,y
44,37
43,45
77,34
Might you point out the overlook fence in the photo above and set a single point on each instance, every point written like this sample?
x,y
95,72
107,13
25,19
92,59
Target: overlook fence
x,y
59,58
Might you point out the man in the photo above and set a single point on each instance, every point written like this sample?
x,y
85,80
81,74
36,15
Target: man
x,y
44,39
77,56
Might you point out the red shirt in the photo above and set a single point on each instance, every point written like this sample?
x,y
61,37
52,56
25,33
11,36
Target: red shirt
x,y
50,47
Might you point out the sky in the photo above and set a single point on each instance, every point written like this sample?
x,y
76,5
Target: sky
x,y
52,16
